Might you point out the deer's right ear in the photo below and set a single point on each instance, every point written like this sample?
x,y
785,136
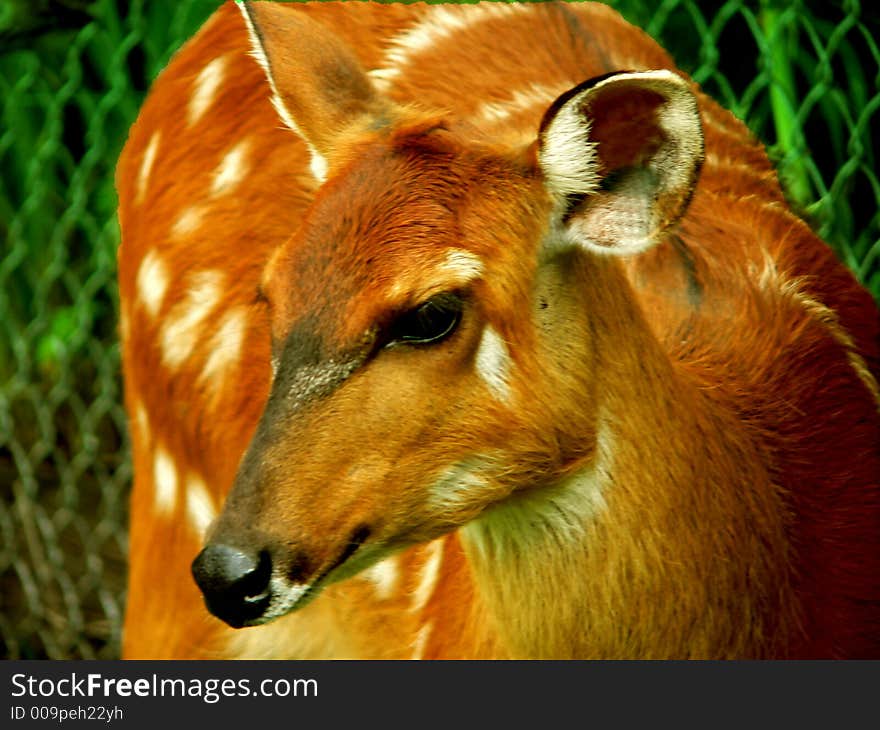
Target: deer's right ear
x,y
622,154
318,87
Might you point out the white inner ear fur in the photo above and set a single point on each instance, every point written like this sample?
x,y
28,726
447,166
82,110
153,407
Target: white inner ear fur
x,y
568,155
625,220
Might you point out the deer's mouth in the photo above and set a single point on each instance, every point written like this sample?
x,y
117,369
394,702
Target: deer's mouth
x,y
286,595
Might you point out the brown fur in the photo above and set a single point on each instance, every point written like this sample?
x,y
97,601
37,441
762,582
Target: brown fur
x,y
717,386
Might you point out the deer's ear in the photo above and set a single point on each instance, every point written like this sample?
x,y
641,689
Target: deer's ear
x,y
622,154
318,86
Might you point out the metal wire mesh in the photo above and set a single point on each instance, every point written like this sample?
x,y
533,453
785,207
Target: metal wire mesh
x,y
72,76
804,75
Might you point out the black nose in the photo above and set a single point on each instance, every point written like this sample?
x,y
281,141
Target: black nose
x,y
235,583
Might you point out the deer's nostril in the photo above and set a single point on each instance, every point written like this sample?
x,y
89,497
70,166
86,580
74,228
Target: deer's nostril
x,y
255,582
235,583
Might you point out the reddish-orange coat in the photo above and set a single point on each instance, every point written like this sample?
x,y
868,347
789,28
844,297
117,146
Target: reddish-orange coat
x,y
773,339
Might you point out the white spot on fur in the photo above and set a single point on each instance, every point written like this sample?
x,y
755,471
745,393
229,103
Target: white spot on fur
x,y
463,264
188,221
146,167
205,89
421,640
200,508
183,324
232,169
429,574
385,576
436,24
741,167
225,347
152,282
521,100
493,363
142,423
459,486
318,165
164,482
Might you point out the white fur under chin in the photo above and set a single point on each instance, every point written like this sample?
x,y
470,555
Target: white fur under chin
x,y
561,513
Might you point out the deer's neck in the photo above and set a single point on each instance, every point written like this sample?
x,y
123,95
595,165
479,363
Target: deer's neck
x,y
640,550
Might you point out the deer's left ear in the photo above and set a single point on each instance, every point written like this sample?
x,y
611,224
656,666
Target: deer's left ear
x,y
318,87
622,154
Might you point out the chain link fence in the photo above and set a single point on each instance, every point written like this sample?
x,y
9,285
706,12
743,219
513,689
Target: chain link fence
x,y
804,75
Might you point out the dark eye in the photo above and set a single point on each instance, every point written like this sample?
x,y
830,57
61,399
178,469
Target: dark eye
x,y
430,322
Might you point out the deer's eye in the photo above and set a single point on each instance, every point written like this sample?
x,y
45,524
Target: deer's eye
x,y
430,322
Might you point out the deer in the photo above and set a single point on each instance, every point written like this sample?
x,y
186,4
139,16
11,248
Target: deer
x,y
481,331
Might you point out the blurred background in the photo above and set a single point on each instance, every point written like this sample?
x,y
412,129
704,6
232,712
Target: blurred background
x,y
804,75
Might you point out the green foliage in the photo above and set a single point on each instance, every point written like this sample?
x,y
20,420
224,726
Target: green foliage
x,y
72,77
